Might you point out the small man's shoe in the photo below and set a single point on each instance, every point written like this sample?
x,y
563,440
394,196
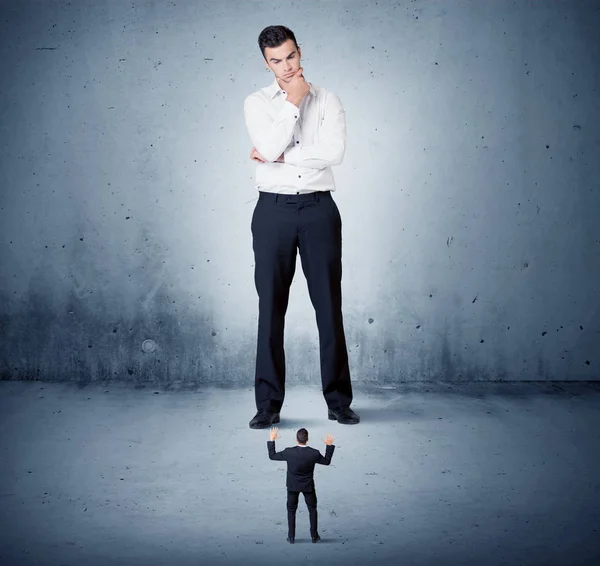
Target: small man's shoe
x,y
316,539
344,415
264,419
290,540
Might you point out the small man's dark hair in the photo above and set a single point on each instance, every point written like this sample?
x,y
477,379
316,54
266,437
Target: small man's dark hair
x,y
302,436
274,36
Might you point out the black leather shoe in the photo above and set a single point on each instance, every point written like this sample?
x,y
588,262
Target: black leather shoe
x,y
316,539
290,540
264,419
345,415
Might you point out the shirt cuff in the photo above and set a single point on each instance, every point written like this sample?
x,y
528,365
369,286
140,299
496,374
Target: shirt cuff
x,y
288,109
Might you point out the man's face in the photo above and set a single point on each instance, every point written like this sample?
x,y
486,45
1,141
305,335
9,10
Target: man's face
x,y
284,60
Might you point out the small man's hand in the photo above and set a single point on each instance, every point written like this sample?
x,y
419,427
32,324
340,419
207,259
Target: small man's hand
x,y
274,432
328,439
255,156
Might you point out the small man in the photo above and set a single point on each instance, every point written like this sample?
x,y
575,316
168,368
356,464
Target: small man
x,y
301,462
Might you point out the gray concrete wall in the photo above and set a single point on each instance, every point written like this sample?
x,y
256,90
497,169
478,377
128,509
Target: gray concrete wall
x,y
470,191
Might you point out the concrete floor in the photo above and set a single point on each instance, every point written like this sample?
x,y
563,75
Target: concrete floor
x,y
461,474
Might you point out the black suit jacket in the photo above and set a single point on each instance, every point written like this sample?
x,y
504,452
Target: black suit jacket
x,y
300,464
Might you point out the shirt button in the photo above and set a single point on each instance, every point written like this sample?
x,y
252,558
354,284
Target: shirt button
x,y
295,116
297,142
299,176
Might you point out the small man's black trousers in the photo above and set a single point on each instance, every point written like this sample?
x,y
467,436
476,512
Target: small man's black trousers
x,y
292,504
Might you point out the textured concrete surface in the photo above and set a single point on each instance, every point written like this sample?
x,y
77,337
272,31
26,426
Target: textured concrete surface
x,y
494,474
469,191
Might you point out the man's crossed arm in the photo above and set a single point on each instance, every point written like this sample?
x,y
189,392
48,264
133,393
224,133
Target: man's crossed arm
x,y
271,137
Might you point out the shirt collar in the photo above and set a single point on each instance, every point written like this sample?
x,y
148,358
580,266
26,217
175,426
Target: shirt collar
x,y
274,89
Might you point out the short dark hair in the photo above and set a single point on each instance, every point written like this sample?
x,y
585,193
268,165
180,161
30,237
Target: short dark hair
x,y
274,36
302,436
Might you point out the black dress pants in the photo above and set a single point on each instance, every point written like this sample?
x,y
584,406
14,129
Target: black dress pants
x,y
282,225
292,504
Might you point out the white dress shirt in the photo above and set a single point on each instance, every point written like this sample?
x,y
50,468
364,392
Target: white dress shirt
x,y
312,139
